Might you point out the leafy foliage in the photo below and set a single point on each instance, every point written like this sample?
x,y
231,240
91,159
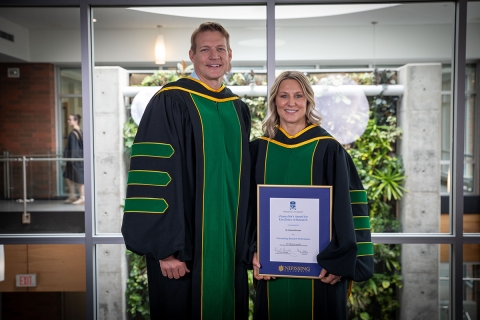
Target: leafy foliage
x,y
372,299
382,174
373,154
160,78
258,110
251,293
138,305
243,79
129,131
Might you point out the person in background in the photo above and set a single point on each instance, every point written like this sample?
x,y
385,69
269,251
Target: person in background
x,y
301,152
74,170
187,190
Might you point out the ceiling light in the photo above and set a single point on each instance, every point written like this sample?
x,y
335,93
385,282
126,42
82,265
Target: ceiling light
x,y
160,49
260,12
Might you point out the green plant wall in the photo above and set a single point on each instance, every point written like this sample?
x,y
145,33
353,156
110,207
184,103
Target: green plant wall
x,y
379,167
382,174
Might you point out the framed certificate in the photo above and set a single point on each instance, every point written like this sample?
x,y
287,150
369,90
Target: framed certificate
x,y
294,225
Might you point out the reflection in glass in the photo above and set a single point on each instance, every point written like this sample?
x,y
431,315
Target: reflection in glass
x,y
444,283
471,171
445,159
471,281
469,176
468,172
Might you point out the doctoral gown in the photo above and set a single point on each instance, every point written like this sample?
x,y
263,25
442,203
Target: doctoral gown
x,y
187,196
313,157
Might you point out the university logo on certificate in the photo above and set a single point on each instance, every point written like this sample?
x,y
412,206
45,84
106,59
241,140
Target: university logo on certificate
x,y
294,226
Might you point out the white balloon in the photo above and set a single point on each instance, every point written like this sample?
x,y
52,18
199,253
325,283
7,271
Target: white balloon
x,y
140,102
344,113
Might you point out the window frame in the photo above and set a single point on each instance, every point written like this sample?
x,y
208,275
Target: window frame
x,y
455,239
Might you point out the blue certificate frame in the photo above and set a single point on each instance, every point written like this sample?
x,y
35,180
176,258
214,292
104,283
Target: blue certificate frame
x,y
279,202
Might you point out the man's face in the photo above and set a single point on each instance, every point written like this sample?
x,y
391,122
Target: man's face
x,y
212,58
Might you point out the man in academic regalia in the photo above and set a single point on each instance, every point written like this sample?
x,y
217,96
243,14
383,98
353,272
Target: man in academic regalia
x,y
187,192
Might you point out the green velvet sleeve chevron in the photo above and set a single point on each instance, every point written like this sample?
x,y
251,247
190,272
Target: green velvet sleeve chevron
x,y
145,205
152,149
148,178
361,222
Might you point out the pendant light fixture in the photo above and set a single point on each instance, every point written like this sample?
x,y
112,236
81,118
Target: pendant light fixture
x,y
160,49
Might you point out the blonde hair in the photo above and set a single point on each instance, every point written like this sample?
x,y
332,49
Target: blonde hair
x,y
208,26
272,120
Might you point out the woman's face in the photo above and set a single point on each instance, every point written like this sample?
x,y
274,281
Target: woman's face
x,y
291,104
71,121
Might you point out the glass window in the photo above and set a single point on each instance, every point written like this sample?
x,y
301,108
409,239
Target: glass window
x,y
472,114
469,176
362,45
125,78
37,99
471,283
383,100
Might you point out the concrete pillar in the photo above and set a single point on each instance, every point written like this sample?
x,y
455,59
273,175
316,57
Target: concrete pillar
x,y
110,181
419,116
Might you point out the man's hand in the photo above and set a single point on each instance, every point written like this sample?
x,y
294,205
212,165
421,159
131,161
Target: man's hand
x,y
331,278
173,268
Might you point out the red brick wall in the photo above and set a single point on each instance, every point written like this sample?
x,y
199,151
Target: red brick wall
x,y
27,126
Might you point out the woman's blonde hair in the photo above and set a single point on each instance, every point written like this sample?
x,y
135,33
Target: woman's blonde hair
x,y
272,120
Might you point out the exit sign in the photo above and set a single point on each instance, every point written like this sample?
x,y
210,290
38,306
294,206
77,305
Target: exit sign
x,y
26,280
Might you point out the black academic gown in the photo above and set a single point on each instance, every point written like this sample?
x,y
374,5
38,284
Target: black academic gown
x,y
313,157
187,196
74,149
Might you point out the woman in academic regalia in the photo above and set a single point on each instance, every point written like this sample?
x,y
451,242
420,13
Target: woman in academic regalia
x,y
296,150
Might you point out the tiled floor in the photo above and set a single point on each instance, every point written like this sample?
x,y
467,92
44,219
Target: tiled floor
x,y
40,206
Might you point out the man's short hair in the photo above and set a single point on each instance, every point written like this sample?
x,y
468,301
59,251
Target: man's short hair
x,y
208,26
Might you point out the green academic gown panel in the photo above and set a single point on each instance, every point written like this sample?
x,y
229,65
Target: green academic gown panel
x,y
313,157
187,196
